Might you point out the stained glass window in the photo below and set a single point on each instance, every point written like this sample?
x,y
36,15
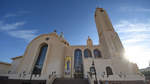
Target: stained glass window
x,y
40,61
87,53
97,53
78,64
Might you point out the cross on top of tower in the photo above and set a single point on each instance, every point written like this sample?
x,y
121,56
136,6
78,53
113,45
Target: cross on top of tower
x,y
55,30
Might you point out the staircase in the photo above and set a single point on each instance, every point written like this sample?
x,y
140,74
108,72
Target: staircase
x,y
70,81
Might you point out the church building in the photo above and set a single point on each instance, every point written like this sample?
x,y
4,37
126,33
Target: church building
x,y
51,58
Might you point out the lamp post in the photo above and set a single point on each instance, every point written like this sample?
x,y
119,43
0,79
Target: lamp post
x,y
93,71
31,76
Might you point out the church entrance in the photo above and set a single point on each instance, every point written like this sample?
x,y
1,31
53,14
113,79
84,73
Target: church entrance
x,y
78,64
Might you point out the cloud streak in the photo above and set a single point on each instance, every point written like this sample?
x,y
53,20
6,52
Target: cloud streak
x,y
132,26
12,26
136,39
134,9
14,30
134,30
10,15
23,34
19,13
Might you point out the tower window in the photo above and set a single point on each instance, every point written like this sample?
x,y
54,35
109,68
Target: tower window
x,y
102,10
47,38
97,53
87,53
40,60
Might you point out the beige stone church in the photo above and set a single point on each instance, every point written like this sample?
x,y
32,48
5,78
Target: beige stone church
x,y
49,57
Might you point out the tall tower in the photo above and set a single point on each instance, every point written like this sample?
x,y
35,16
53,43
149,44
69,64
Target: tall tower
x,y
108,38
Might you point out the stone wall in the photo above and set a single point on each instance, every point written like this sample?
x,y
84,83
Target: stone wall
x,y
4,68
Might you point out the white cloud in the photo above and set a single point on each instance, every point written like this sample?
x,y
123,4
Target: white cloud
x,y
133,31
4,26
134,9
10,15
23,34
132,26
14,30
19,13
136,39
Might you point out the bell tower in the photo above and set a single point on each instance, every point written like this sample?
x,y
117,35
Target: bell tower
x,y
89,42
108,38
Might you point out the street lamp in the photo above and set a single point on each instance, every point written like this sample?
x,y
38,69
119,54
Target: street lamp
x,y
93,72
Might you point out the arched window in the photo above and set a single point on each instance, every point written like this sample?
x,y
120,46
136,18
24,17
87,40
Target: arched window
x,y
78,62
109,71
97,53
87,53
68,65
40,60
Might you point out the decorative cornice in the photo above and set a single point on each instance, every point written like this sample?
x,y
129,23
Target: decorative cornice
x,y
5,63
16,57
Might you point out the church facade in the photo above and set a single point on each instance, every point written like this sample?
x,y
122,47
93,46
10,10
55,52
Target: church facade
x,y
50,54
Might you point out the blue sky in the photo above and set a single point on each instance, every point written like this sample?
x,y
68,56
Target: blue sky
x,y
22,20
